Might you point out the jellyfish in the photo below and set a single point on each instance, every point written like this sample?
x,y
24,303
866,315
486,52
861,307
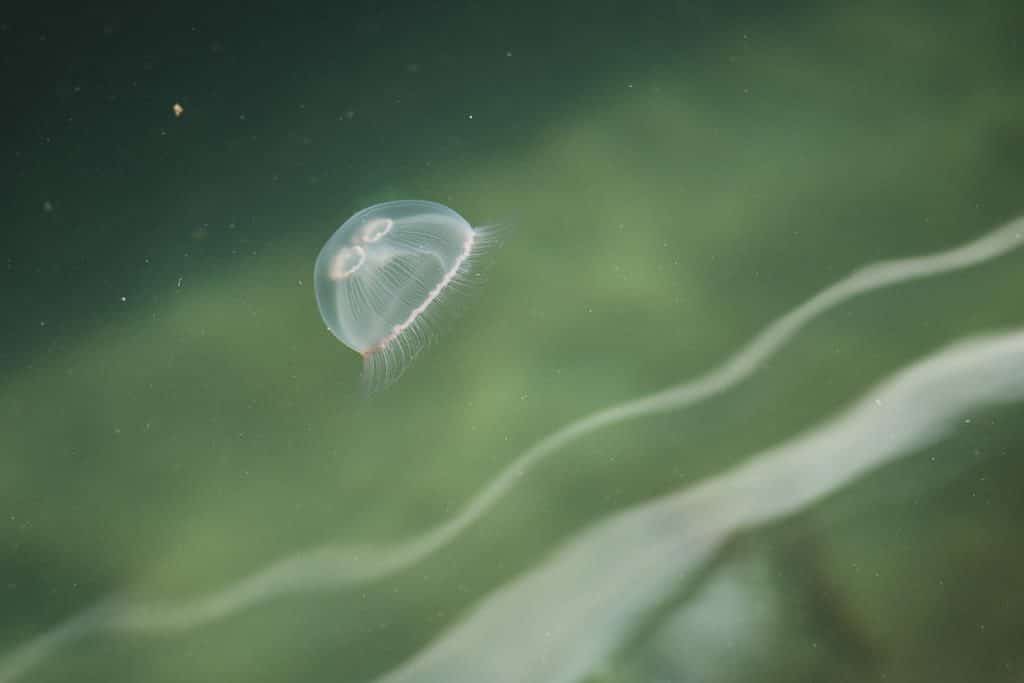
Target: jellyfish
x,y
383,277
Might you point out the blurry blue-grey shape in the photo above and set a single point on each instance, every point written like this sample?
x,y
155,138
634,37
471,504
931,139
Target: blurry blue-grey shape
x,y
560,620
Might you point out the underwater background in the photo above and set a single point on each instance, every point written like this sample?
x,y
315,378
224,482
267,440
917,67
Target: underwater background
x,y
192,486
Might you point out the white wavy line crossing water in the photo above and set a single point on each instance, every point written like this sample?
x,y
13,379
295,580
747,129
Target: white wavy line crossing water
x,y
333,566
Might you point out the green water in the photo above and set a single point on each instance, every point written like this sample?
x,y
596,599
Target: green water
x,y
669,178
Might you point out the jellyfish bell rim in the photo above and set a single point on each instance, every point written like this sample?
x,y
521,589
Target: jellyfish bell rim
x,y
385,363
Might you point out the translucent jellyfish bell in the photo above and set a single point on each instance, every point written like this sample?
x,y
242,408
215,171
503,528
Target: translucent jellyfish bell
x,y
382,277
